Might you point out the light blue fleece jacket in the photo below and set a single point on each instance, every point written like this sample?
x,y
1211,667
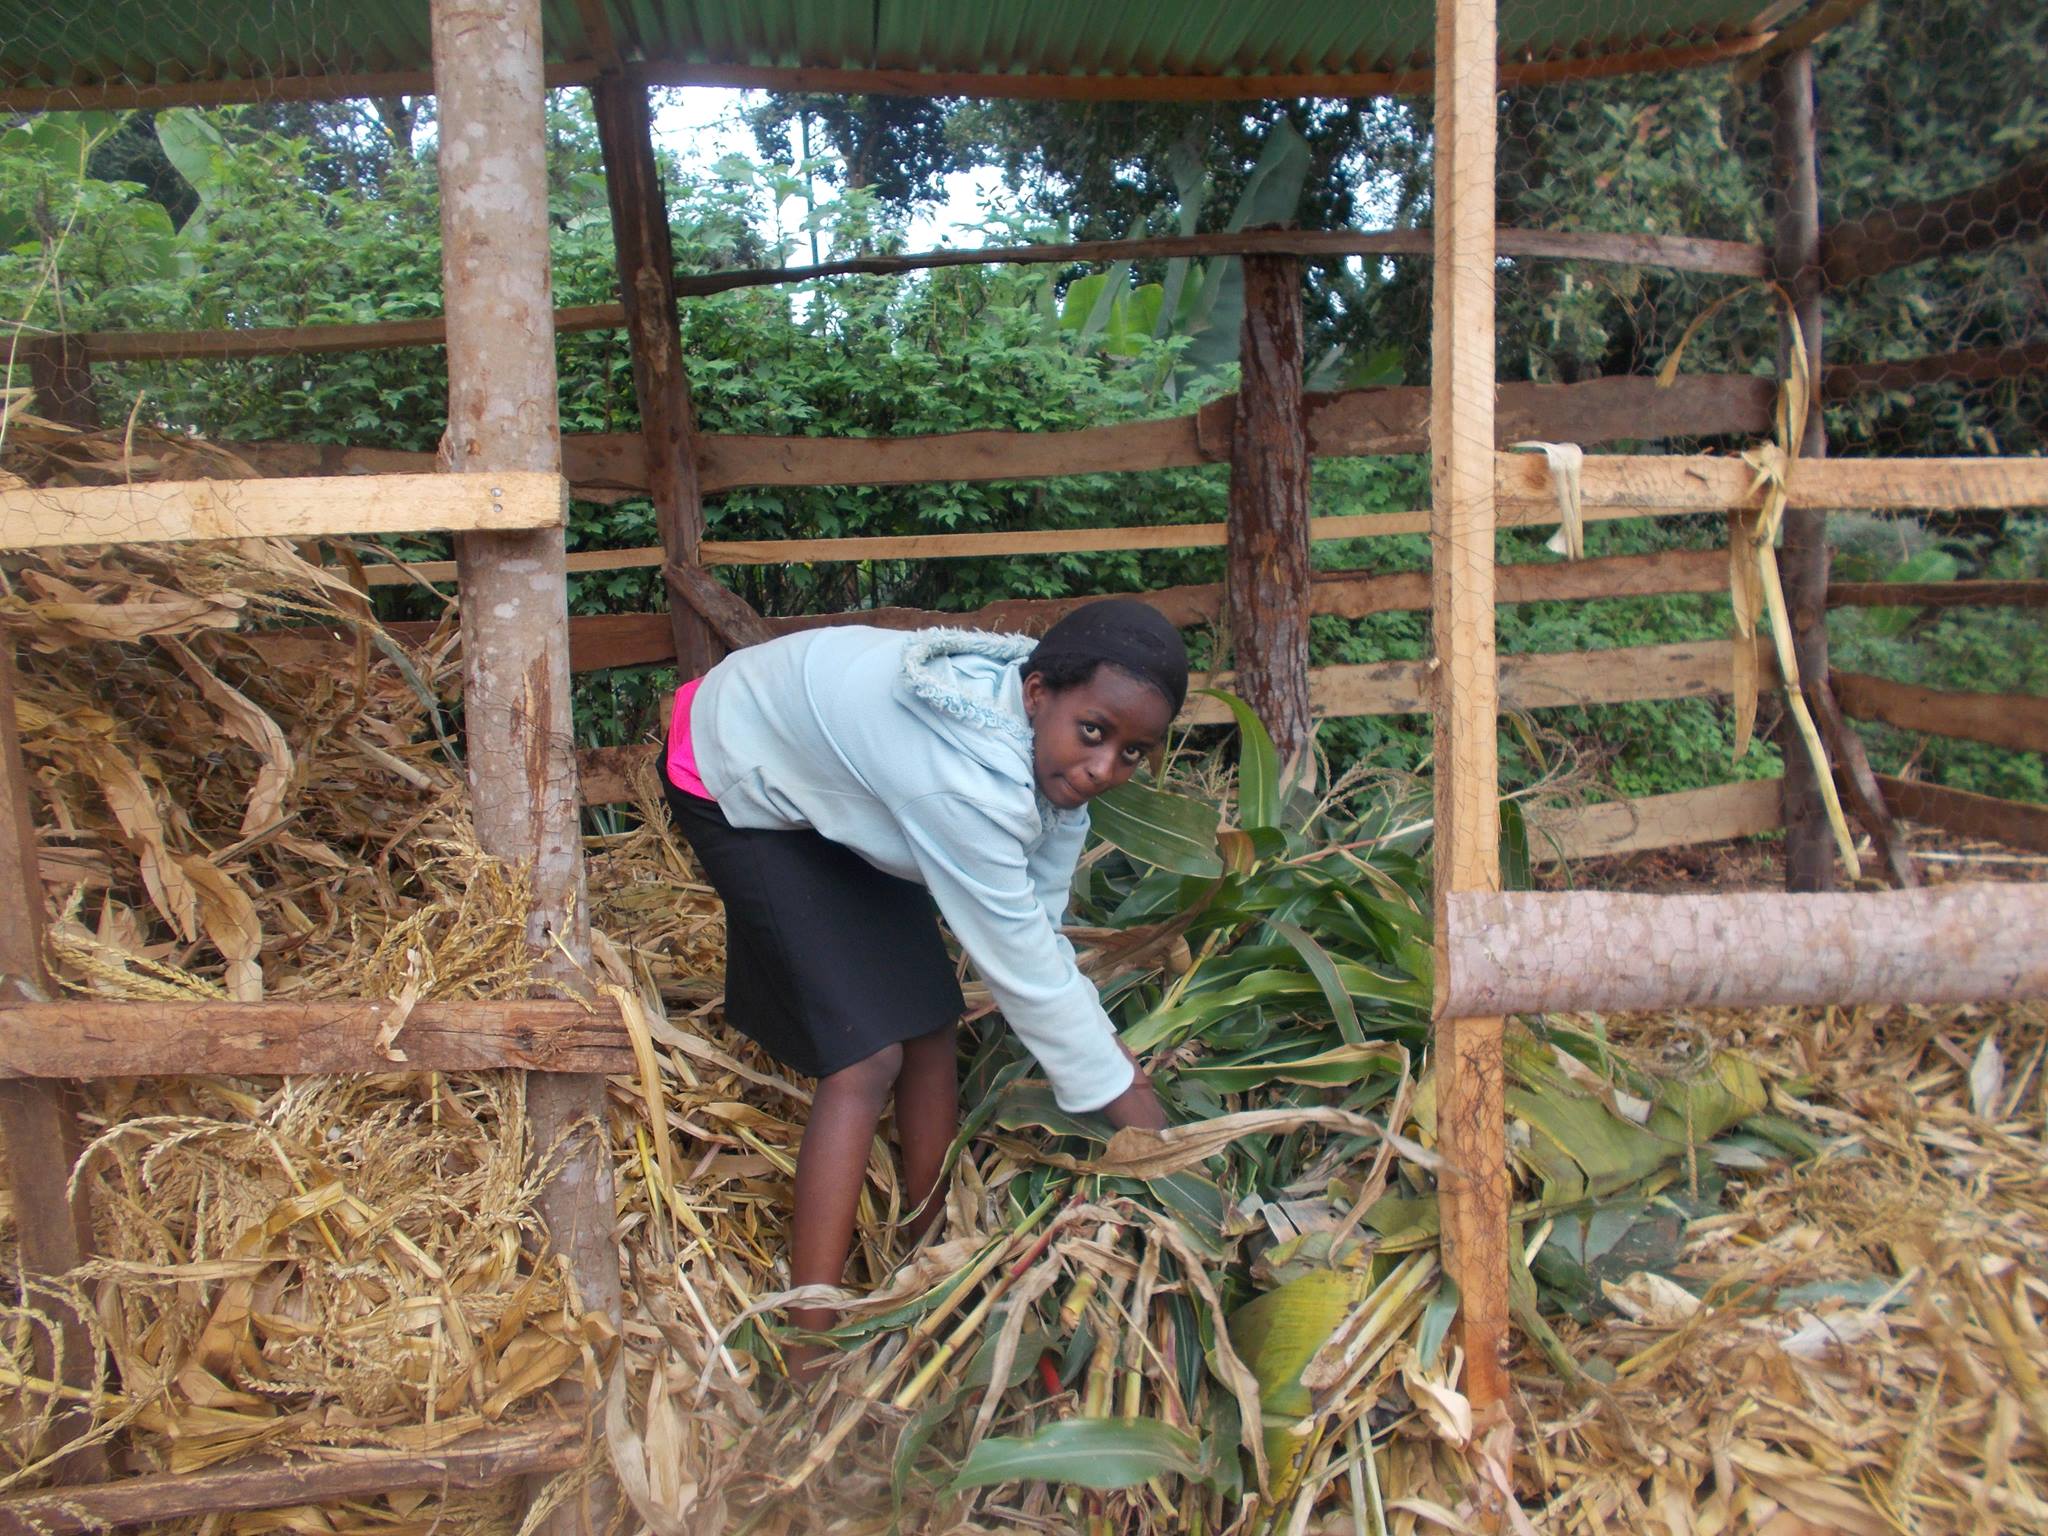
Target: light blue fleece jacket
x,y
914,751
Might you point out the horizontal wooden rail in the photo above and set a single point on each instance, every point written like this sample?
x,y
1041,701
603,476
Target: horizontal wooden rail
x,y
1938,594
2016,823
184,510
85,1037
1545,680
1609,952
127,94
480,1460
1612,485
1972,365
610,466
1680,253
2015,720
1678,820
2013,206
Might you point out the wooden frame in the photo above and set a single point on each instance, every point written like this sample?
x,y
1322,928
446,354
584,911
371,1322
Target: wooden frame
x,y
104,96
2014,720
481,1460
1605,952
89,1037
1678,820
185,510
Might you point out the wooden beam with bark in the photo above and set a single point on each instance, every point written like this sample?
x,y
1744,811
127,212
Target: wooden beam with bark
x,y
39,1129
1266,581
519,738
481,1460
1678,253
1613,952
2013,206
127,94
88,1038
1971,365
1958,812
661,386
1938,594
2017,721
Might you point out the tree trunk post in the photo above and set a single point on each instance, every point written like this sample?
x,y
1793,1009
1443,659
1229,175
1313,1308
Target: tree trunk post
x,y
647,289
1473,1188
37,1119
502,415
1267,569
60,371
1803,559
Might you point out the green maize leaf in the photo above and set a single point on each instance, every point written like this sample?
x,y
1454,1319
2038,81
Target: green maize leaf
x,y
1331,1068
1170,831
1324,969
1436,1323
1258,764
1089,1453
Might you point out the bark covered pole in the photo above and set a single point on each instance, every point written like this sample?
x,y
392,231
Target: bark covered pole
x,y
37,1119
1266,562
1473,1190
1803,559
647,289
502,416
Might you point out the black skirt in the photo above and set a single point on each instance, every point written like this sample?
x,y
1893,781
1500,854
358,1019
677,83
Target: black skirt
x,y
827,959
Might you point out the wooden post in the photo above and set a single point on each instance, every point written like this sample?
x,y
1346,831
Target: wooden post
x,y
60,371
1803,560
647,289
1267,548
36,1118
502,415
1471,1114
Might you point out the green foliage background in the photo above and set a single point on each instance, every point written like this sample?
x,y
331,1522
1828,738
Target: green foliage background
x,y
327,214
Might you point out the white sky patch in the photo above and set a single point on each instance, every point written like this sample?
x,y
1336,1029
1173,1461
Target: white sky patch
x,y
701,124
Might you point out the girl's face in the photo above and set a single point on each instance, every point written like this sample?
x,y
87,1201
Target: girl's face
x,y
1088,739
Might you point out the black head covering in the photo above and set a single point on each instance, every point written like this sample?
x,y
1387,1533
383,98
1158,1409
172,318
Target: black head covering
x,y
1125,633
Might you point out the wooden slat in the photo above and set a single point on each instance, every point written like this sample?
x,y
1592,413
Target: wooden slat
x,y
2013,206
1607,951
601,640
128,95
1680,253
2016,823
1347,423
1613,486
1046,87
1677,820
1938,594
1466,687
1972,365
1807,29
1543,680
275,341
89,1038
481,1460
182,510
2015,720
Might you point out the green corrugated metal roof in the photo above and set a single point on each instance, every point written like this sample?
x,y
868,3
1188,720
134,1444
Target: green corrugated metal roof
x,y
69,44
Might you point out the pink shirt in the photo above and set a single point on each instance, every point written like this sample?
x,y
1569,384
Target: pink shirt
x,y
682,757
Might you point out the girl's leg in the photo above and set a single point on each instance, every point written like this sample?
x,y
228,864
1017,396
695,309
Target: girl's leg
x,y
927,1115
833,1160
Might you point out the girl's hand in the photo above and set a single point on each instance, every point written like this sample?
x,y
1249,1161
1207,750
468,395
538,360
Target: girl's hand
x,y
1137,1105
